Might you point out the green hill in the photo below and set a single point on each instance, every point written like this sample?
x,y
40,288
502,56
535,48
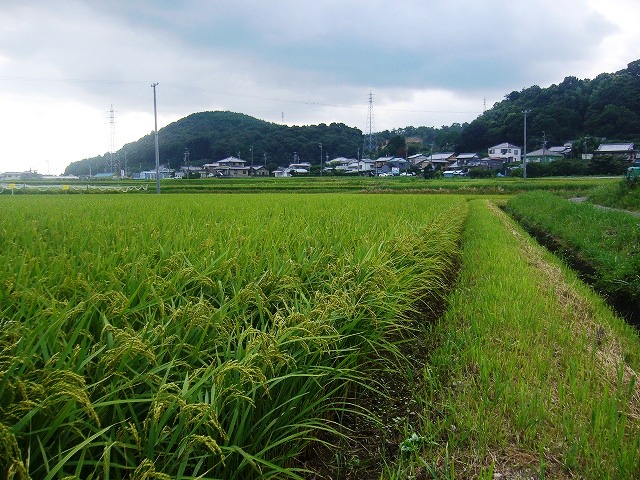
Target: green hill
x,y
215,135
585,111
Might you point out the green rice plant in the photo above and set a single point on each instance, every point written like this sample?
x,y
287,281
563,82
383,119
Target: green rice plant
x,y
205,337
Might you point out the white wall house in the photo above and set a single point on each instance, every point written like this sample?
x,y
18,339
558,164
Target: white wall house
x,y
361,166
228,167
506,152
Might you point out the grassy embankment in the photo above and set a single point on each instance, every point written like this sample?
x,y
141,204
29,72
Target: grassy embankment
x,y
530,375
617,195
603,244
205,336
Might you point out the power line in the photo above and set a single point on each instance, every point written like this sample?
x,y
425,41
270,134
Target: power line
x,y
193,88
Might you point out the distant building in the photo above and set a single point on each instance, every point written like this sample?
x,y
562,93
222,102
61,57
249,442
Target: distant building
x,y
340,164
417,158
281,172
164,172
564,150
393,166
438,161
259,171
464,159
228,167
627,150
506,152
544,155
29,175
300,167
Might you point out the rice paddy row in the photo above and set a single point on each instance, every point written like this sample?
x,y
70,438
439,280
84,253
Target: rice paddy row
x,y
204,337
530,373
332,184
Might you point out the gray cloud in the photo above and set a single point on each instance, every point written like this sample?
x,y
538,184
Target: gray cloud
x,y
263,58
457,45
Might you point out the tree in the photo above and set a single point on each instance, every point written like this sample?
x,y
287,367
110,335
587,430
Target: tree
x,y
397,146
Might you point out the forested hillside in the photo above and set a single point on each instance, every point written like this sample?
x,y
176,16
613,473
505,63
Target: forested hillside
x,y
585,111
215,135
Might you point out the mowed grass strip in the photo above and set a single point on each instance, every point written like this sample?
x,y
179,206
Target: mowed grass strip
x,y
531,374
204,336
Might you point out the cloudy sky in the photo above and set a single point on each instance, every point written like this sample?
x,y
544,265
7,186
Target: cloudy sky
x,y
64,63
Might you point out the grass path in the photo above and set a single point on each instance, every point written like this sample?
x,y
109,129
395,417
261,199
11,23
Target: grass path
x,y
530,375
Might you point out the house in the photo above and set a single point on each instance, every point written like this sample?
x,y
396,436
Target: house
x,y
565,149
381,161
438,161
627,150
466,159
17,176
339,163
163,172
228,167
417,158
282,172
258,171
361,166
191,171
544,155
506,152
300,167
392,166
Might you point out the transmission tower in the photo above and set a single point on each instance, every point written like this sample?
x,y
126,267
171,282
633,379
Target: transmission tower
x,y
370,143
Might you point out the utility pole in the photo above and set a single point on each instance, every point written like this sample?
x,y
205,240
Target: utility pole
x,y
524,161
155,117
112,146
321,159
186,162
251,148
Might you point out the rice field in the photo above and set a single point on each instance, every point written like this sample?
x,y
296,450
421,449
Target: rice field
x,y
218,336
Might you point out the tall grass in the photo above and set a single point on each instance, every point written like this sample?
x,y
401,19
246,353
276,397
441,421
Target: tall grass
x,y
530,375
617,195
203,337
605,244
